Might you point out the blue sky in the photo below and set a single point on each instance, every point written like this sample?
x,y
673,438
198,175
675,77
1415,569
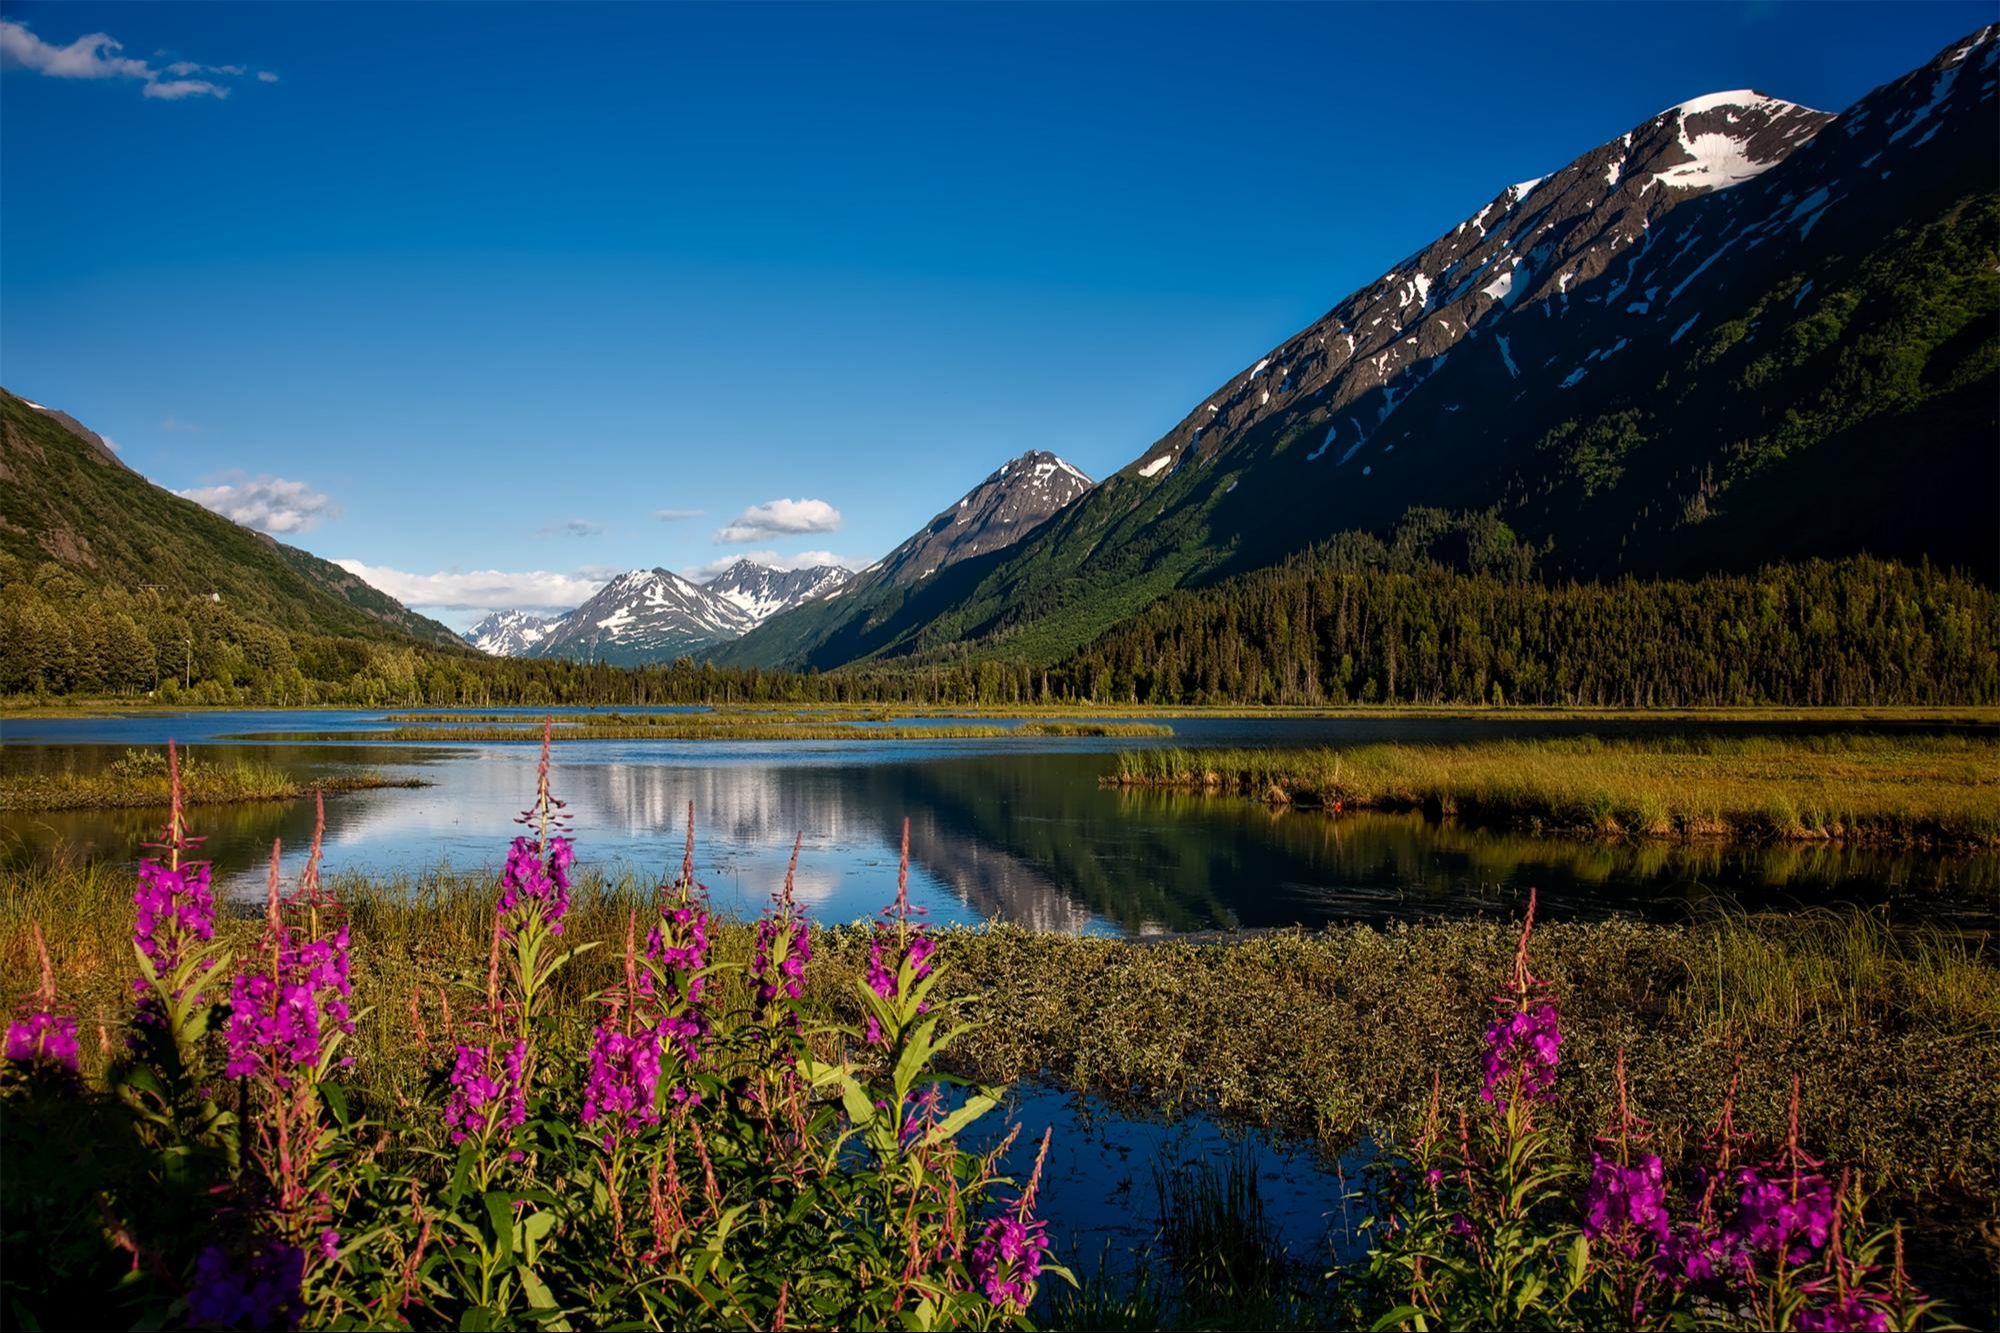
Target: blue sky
x,y
474,294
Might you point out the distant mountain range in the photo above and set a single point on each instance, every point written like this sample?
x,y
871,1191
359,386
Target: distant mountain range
x,y
655,615
1739,332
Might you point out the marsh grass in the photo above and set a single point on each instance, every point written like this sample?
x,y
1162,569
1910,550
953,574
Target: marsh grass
x,y
1907,790
139,779
1331,1035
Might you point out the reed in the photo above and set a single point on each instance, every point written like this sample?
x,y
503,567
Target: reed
x,y
1897,790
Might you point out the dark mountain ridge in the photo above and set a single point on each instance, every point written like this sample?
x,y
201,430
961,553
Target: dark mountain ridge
x,y
1742,331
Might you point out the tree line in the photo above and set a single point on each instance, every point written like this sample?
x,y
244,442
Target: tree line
x,y
1321,629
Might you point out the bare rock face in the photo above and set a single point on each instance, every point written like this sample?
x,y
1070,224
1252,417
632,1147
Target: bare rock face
x,y
998,512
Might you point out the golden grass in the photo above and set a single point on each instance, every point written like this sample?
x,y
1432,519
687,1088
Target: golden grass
x,y
1909,790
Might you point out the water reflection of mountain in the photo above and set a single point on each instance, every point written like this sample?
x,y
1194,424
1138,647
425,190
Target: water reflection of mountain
x,y
1021,834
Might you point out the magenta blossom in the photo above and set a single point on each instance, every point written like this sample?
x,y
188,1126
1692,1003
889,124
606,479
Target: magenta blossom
x,y
1006,1261
484,1099
624,1082
1785,1219
1854,1312
290,1010
783,949
173,908
1523,1044
1624,1203
529,883
43,1038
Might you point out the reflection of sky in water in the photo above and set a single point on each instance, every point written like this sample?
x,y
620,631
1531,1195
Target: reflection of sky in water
x,y
1100,1183
1013,829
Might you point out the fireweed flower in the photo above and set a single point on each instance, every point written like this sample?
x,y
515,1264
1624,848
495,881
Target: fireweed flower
x,y
43,1038
288,1010
1854,1312
489,1091
897,941
1623,1203
260,1291
173,911
1786,1219
678,945
41,1035
1524,1042
782,948
624,1082
532,884
1006,1260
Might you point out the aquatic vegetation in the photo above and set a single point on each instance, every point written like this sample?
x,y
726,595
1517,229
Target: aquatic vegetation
x,y
140,778
1905,790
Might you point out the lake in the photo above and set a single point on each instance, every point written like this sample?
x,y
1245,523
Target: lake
x,y
1008,829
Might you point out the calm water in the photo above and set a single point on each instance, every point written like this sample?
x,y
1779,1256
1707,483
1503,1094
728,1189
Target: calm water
x,y
1010,829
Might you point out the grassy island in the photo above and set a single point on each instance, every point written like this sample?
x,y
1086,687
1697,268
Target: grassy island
x,y
1903,790
139,779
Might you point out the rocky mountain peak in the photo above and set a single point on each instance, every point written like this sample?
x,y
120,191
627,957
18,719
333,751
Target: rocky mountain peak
x,y
760,592
1009,504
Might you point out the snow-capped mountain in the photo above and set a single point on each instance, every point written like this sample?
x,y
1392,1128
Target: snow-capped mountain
x,y
760,592
655,615
643,615
510,633
1535,248
1742,330
1010,504
998,512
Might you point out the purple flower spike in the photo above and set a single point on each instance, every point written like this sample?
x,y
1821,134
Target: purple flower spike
x,y
43,1038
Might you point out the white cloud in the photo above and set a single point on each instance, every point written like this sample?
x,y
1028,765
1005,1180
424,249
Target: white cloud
x,y
779,517
573,527
173,90
269,504
480,589
172,422
677,515
799,560
95,55
266,76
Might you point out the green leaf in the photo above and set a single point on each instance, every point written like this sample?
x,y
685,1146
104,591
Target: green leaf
x,y
538,1293
975,1106
537,1226
500,1212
